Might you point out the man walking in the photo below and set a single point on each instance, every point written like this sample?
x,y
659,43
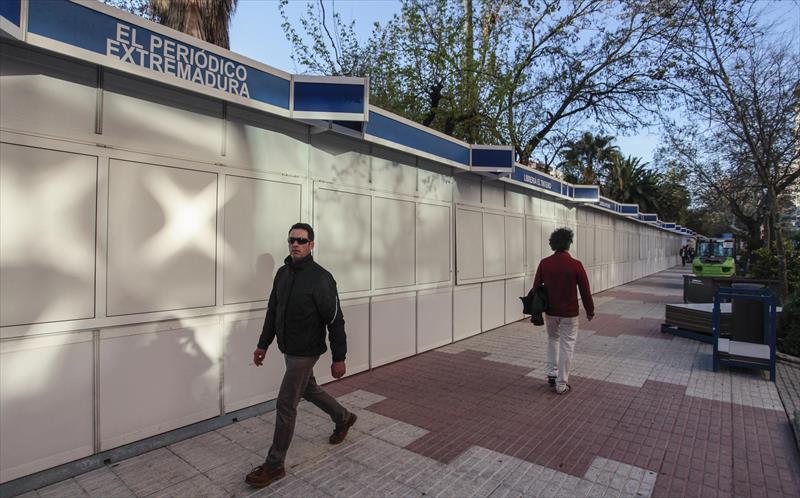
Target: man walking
x,y
684,254
560,274
303,303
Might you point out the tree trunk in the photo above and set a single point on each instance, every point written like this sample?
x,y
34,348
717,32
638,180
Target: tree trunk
x,y
776,237
469,72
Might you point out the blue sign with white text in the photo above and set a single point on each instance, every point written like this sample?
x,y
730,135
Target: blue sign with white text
x,y
85,28
535,179
608,204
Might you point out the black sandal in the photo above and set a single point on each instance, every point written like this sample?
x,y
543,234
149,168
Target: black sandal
x,y
551,379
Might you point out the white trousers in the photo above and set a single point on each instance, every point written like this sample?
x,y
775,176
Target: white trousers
x,y
561,335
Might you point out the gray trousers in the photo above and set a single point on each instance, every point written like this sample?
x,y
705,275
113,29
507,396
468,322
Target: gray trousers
x,y
299,381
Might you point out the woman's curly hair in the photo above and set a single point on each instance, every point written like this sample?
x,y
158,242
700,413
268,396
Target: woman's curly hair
x,y
561,239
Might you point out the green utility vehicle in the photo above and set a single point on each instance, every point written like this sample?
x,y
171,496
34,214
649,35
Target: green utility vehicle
x,y
715,257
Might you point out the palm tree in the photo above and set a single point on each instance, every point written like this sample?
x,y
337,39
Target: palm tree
x,y
585,158
204,19
629,181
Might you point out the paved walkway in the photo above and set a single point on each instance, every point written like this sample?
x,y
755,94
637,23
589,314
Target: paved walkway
x,y
647,416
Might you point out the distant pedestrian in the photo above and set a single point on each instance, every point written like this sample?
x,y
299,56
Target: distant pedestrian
x,y
560,274
684,253
302,304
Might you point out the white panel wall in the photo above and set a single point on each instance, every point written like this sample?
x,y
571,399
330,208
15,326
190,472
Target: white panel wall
x,y
254,142
547,228
47,235
434,244
346,257
466,311
160,119
244,383
494,251
47,95
469,244
467,190
515,245
533,243
434,318
515,288
393,328
393,172
258,214
45,402
434,181
392,245
340,160
170,368
493,194
492,305
356,316
161,238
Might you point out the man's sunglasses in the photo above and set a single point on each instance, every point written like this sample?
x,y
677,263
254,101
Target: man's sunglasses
x,y
300,240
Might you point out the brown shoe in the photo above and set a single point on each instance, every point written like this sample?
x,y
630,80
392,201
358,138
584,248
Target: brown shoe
x,y
264,476
340,432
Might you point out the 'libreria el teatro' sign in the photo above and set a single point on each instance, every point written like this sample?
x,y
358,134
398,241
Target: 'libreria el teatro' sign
x,y
165,55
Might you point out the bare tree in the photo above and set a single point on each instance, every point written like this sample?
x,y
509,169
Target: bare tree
x,y
524,72
742,94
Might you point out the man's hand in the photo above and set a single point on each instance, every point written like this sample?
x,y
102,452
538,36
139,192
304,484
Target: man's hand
x,y
338,369
258,356
589,317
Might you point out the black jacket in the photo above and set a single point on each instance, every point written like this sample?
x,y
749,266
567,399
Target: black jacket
x,y
303,302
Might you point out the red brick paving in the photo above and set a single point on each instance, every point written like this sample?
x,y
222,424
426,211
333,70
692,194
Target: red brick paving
x,y
699,447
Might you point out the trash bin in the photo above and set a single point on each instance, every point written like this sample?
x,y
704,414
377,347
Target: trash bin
x,y
747,316
698,289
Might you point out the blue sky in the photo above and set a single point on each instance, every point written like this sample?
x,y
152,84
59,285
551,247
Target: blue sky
x,y
256,33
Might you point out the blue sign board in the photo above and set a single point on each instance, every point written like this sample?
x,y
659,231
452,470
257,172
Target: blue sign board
x,y
629,209
586,192
416,138
648,217
536,179
329,97
492,157
149,52
608,204
10,11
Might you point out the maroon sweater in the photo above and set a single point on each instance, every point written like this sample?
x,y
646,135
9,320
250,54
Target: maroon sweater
x,y
560,273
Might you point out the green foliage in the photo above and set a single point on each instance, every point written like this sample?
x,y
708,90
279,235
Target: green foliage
x,y
140,8
789,327
497,71
585,159
766,265
673,194
631,182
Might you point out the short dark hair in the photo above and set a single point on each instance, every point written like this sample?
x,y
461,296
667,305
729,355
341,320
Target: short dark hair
x,y
303,226
561,239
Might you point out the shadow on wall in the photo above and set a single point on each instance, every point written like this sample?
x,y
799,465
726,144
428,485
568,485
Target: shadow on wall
x,y
47,235
151,378
265,272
